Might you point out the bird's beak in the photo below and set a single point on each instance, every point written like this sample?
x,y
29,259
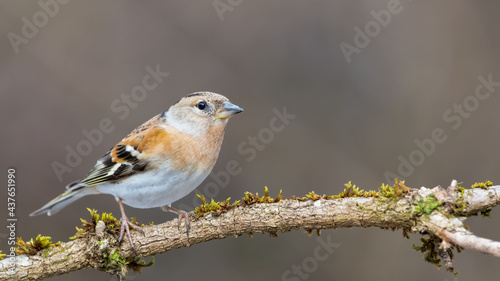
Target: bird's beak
x,y
228,110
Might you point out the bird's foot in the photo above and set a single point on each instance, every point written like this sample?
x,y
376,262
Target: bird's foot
x,y
181,215
126,224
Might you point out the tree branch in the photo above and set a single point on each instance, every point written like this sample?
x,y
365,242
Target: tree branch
x,y
438,212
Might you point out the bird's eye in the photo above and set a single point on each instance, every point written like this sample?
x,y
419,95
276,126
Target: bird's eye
x,y
201,105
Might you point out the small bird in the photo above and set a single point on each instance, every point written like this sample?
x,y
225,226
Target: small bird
x,y
159,162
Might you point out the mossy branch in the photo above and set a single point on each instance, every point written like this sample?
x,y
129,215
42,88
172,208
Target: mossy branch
x,y
438,213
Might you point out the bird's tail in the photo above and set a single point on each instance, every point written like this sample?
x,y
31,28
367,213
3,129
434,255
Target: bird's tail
x,y
71,195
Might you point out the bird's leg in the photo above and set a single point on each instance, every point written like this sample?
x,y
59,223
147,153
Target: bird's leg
x,y
181,215
125,226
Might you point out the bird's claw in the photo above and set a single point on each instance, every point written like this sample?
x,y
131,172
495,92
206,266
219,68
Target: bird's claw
x,y
126,224
181,215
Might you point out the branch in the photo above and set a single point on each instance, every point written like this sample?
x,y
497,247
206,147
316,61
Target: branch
x,y
438,212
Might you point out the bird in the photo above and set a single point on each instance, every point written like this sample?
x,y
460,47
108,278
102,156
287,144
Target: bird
x,y
159,162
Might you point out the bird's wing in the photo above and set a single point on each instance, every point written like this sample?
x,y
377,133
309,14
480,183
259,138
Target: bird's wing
x,y
124,159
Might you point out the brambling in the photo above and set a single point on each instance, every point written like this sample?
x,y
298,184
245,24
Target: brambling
x,y
160,161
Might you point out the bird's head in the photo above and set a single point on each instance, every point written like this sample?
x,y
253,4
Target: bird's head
x,y
199,112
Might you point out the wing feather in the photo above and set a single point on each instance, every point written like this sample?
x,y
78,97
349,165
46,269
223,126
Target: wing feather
x,y
124,159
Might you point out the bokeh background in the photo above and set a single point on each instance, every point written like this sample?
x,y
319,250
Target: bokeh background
x,y
353,119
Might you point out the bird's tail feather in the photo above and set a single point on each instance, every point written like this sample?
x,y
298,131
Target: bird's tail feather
x,y
71,195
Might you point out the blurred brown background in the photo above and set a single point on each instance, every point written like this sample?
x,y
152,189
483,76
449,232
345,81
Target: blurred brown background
x,y
353,120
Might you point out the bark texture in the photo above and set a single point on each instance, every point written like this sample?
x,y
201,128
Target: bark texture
x,y
442,221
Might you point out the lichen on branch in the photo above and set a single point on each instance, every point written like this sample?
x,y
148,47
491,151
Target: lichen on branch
x,y
437,212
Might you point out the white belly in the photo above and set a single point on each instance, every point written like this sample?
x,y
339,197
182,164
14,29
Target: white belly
x,y
154,189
